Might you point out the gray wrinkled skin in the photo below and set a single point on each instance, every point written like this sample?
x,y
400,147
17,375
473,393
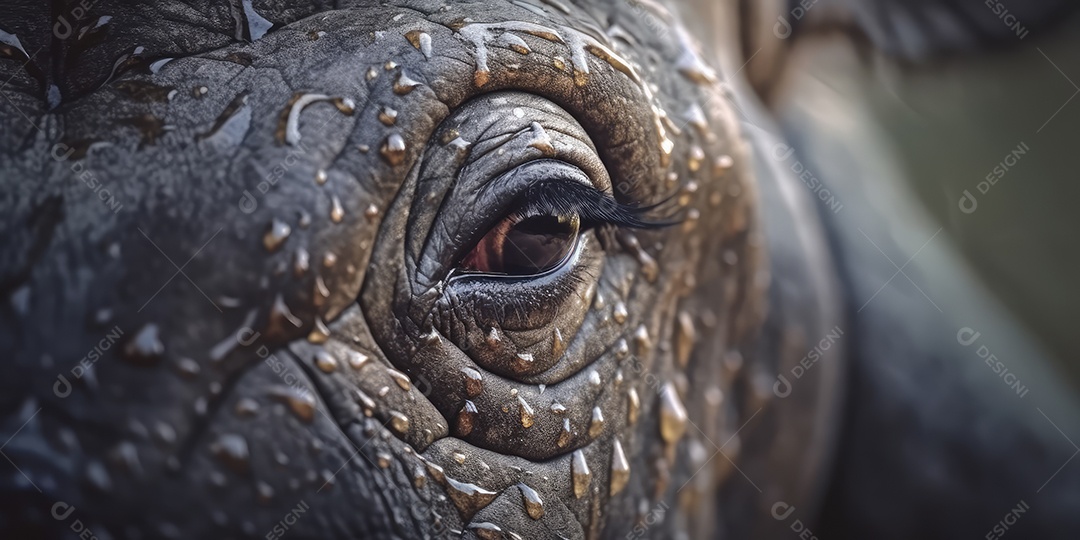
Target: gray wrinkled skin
x,y
169,373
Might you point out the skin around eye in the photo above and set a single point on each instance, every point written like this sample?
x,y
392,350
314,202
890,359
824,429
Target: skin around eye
x,y
524,245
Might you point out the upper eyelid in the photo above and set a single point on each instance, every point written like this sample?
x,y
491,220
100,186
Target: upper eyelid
x,y
592,204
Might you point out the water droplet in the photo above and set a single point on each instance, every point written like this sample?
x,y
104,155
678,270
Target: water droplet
x,y
399,422
371,74
264,492
165,433
156,65
459,458
321,292
492,338
276,235
557,344
420,40
304,220
325,361
320,177
642,340
231,126
419,478
523,361
474,382
246,407
357,359
691,66
288,128
300,401
667,146
365,401
252,25
329,259
714,396
684,338
691,220
232,450
388,116
618,312
558,408
301,262
672,415
126,456
534,505
526,412
722,165
541,141
400,378
596,425
620,468
320,334
487,531
515,43
695,117
633,406
594,377
599,303
697,155
393,149
337,213
579,474
145,348
467,419
404,84
281,318
188,368
199,91
383,459
468,498
565,434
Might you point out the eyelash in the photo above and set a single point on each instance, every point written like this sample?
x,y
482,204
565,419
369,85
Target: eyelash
x,y
594,208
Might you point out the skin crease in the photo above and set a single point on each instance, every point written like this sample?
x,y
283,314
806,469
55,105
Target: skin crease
x,y
171,376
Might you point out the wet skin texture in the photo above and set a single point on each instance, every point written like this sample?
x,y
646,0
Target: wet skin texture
x,y
289,337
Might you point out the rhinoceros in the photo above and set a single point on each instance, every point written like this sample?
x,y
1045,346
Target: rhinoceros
x,y
500,269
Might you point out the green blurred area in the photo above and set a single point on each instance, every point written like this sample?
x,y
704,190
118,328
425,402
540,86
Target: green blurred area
x,y
950,124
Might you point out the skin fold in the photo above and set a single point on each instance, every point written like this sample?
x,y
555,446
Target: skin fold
x,y
230,239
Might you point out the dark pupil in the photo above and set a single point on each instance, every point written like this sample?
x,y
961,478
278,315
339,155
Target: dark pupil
x,y
536,244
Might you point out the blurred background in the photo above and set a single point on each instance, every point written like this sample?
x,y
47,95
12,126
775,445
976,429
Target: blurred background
x,y
950,124
911,136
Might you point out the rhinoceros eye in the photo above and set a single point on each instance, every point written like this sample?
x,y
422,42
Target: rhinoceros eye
x,y
540,234
522,245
